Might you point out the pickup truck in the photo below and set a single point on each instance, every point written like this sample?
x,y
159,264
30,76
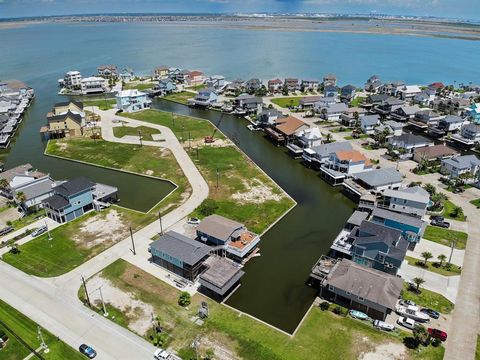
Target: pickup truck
x,y
443,224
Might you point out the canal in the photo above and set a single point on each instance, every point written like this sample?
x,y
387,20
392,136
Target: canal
x,y
273,288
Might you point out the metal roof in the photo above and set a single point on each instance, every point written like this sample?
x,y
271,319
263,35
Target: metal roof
x,y
380,177
218,227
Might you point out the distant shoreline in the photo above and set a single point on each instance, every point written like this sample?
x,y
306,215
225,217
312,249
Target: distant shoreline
x,y
380,26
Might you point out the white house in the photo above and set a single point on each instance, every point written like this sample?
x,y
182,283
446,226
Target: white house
x,y
368,123
408,91
309,137
451,123
132,100
71,80
466,164
333,112
93,84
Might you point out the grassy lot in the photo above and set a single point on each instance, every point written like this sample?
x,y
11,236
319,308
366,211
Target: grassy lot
x,y
477,353
428,299
322,332
26,220
103,104
181,97
146,132
138,85
197,87
27,330
446,236
357,101
361,136
237,175
448,208
476,203
433,266
286,102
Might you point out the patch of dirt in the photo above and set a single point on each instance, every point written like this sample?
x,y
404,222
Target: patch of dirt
x,y
219,349
391,351
9,214
63,145
201,143
102,228
149,172
256,192
138,312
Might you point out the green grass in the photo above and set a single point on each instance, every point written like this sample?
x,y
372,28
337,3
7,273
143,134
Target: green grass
x,y
198,87
181,97
27,330
138,86
286,102
324,334
357,101
428,299
103,104
477,352
448,208
446,236
433,266
476,203
361,136
146,132
26,220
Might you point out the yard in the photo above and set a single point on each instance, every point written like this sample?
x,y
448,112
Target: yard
x,y
357,101
449,211
286,102
102,104
144,131
231,335
434,266
27,330
140,86
476,203
446,236
180,97
429,299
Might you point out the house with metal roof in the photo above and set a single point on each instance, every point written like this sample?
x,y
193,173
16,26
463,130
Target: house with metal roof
x,y
220,277
408,142
368,123
411,200
373,181
317,155
370,291
180,254
461,165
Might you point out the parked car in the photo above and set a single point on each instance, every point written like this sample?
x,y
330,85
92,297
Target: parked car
x,y
406,322
458,190
438,334
407,302
437,217
87,351
193,221
6,230
383,325
39,231
443,224
430,312
160,354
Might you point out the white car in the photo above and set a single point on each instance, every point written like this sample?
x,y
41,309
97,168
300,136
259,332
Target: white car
x,y
193,221
406,322
160,354
39,231
383,325
407,302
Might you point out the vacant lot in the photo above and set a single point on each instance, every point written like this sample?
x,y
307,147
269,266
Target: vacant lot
x,y
181,97
143,131
231,335
102,104
446,236
287,101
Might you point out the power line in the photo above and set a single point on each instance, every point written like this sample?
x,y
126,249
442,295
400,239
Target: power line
x,y
21,341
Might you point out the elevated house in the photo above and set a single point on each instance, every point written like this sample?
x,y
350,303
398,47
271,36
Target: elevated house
x,y
372,182
319,154
227,235
351,285
395,128
347,93
373,84
204,98
71,80
368,123
469,135
343,164
274,86
65,120
126,74
165,86
182,76
330,91
466,166
454,106
474,113
377,99
388,106
451,123
407,92
412,201
285,129
323,102
161,72
132,100
269,117
235,87
220,277
433,153
292,84
308,102
329,80
93,85
391,88
195,78
407,143
309,137
405,113
216,82
253,85
247,104
333,112
108,71
309,85
351,116
426,97
425,119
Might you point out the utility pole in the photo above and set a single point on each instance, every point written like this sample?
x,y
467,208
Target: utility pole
x,y
140,137
217,177
189,140
451,252
133,242
48,230
173,120
86,292
197,152
160,220
105,313
43,345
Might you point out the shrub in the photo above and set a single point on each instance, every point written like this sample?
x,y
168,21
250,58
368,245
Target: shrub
x,y
184,299
338,310
324,305
208,207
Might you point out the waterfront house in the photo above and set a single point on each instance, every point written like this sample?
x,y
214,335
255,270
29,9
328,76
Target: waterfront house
x,y
234,88
269,116
319,154
107,71
291,84
333,112
132,100
469,135
347,93
374,181
388,106
274,86
451,123
194,78
35,192
165,86
342,164
93,85
412,227
474,113
216,82
330,91
329,80
368,123
405,113
309,137
391,88
182,76
248,104
425,119
285,129
126,74
253,85
373,84
433,153
407,92
161,72
466,165
230,235
412,201
66,119
71,80
426,97
407,143
204,98
350,117
309,85
307,102
220,277
356,287
180,255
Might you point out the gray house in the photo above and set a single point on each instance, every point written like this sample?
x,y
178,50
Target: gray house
x,y
461,165
317,155
407,143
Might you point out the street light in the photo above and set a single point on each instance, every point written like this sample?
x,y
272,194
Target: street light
x,y
160,220
105,313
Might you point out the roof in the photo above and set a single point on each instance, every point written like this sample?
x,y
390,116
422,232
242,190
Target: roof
x,y
462,162
181,247
18,170
74,186
218,227
289,125
79,104
37,189
130,93
394,124
327,149
221,271
414,193
357,217
452,119
369,120
274,81
350,155
74,116
195,73
398,217
56,202
410,139
336,108
435,151
409,110
372,285
380,177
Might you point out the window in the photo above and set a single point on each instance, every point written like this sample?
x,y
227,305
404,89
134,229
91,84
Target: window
x,y
348,293
330,287
361,298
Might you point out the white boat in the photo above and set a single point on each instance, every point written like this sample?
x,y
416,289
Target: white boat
x,y
412,312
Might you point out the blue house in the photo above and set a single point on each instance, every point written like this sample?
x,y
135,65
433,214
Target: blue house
x,y
132,100
70,200
412,227
474,113
166,86
330,91
204,98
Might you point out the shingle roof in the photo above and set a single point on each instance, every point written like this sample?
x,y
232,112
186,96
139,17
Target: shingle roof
x,y
372,285
37,189
56,202
181,247
435,151
18,170
79,104
452,119
410,139
369,120
327,149
218,226
74,186
463,162
380,177
289,125
415,193
398,217
75,117
357,217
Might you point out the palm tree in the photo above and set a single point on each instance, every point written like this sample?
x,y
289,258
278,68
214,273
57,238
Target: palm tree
x,y
4,183
329,138
418,281
430,189
438,199
457,212
442,259
426,255
21,197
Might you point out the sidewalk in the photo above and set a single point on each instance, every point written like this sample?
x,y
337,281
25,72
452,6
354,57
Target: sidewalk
x,y
436,249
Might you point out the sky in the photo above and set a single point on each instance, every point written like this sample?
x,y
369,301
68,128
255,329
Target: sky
x,y
463,9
